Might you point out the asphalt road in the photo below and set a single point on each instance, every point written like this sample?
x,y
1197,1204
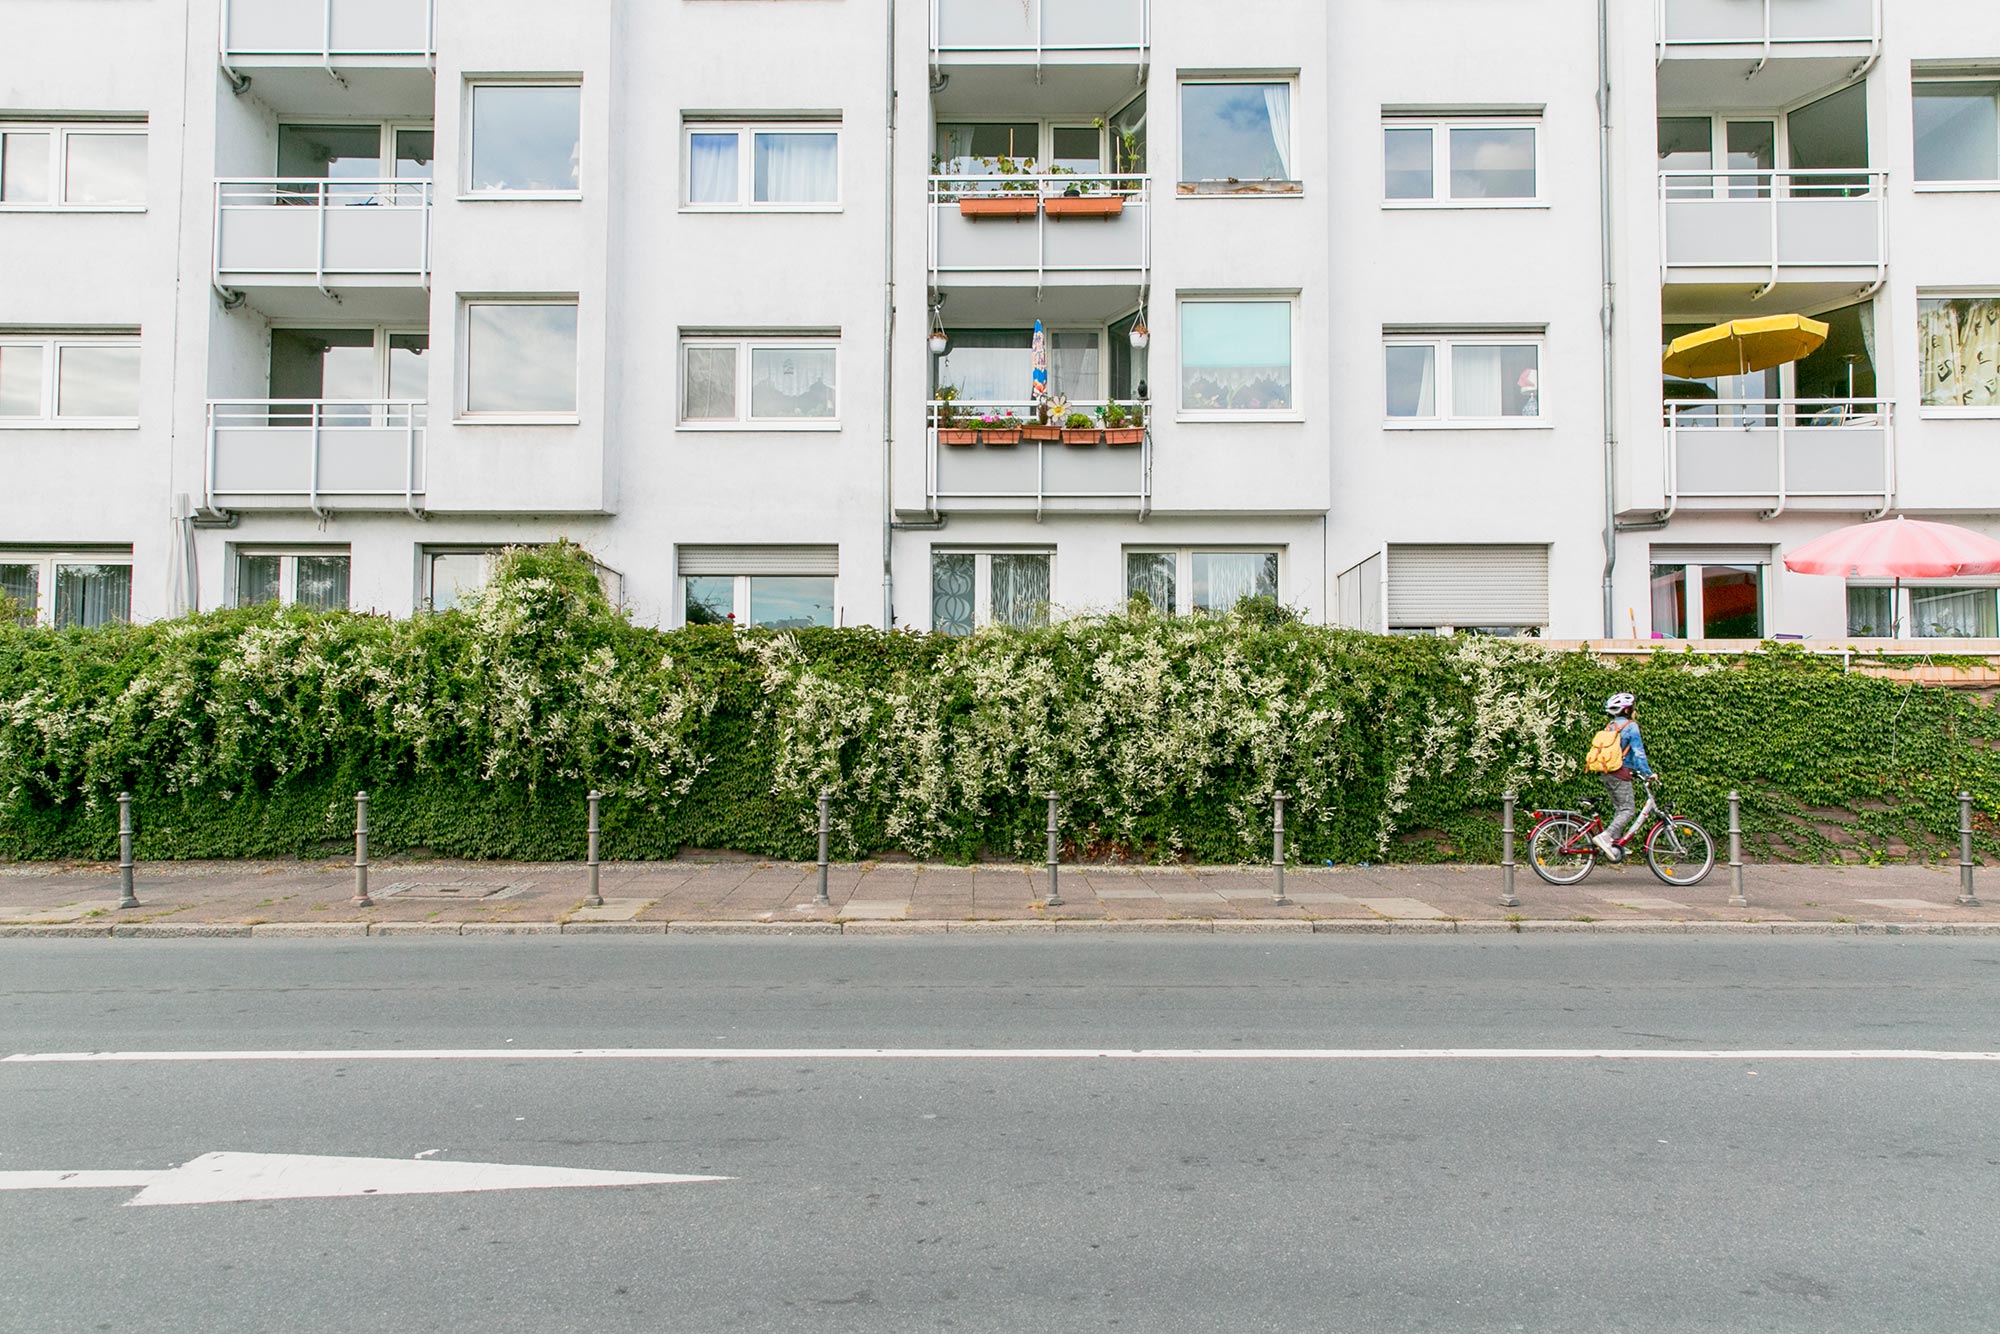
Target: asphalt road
x,y
1019,1194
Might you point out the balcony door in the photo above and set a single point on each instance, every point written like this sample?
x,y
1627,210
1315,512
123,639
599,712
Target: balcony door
x,y
352,371
353,157
996,366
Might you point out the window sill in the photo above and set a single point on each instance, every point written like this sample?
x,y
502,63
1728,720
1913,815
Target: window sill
x,y
490,196
733,210
517,419
1403,424
40,424
1938,414
756,428
1955,187
1453,205
72,208
1238,418
1240,189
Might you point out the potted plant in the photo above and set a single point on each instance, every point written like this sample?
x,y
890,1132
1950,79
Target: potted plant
x,y
1079,429
944,409
1122,425
1001,428
1047,422
1085,198
1015,199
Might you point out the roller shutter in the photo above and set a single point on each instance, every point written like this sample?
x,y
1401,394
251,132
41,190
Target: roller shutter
x,y
732,560
1468,585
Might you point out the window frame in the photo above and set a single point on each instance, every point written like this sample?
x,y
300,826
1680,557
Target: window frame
x,y
1182,300
288,571
463,413
1694,591
48,560
1924,185
427,555
51,346
1441,345
1292,187
60,132
746,132
469,192
746,346
1440,127
739,595
1903,602
1184,570
982,580
1949,411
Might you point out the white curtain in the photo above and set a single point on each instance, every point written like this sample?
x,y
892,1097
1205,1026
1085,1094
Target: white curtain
x,y
1944,613
987,366
712,168
1224,578
797,168
1020,590
1477,382
1278,106
1073,365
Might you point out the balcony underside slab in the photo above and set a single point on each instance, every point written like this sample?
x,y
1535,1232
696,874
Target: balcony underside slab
x,y
360,297
1714,295
373,87
1718,78
1008,83
1015,304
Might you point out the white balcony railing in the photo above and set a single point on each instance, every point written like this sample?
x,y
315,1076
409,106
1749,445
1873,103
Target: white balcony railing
x,y
327,30
1812,222
1033,28
311,231
1002,470
315,454
1041,224
1706,27
1767,453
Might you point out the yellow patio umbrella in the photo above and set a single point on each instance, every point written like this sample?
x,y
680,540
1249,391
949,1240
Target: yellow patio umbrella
x,y
1742,346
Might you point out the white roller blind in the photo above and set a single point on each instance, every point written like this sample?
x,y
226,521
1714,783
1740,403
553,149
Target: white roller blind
x,y
1468,585
760,560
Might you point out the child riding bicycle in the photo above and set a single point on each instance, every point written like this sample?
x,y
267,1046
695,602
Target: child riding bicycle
x,y
1617,754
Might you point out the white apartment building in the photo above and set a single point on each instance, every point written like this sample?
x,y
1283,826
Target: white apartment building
x,y
1362,304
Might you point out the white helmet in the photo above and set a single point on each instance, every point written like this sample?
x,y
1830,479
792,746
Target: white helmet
x,y
1622,702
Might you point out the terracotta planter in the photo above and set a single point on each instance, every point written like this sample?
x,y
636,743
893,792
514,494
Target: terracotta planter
x,y
1041,432
957,435
1081,435
1084,206
997,206
1124,435
1010,435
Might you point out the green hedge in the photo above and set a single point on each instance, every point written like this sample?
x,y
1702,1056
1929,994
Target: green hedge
x,y
477,732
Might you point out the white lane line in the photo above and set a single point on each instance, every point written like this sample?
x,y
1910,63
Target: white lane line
x,y
1014,1054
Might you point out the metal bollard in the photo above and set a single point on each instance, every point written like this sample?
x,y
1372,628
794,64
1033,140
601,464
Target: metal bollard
x,y
825,832
1508,898
1055,856
1278,846
126,898
1736,899
594,899
1965,894
361,899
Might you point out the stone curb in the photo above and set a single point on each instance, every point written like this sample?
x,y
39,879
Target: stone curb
x,y
415,928
59,929
309,929
1142,926
894,928
151,930
753,928
614,928
510,929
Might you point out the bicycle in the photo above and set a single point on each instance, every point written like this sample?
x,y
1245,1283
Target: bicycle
x,y
1678,850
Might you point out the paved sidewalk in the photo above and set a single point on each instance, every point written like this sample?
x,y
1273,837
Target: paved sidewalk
x,y
452,897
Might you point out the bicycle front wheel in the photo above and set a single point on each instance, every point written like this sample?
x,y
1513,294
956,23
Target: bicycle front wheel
x,y
1560,851
1680,851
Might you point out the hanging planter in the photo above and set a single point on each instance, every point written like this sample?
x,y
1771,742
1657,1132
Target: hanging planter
x,y
957,435
1041,431
1015,206
1124,435
1084,206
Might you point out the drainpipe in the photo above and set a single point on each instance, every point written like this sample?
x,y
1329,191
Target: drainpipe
x,y
1606,309
889,331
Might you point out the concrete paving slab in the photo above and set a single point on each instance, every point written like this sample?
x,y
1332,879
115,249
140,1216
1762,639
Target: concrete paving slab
x,y
614,910
874,911
1403,908
1147,894
1644,902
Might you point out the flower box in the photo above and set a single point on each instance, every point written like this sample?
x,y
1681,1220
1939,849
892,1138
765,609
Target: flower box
x,y
999,435
998,206
1081,435
1124,435
957,435
1084,206
1039,432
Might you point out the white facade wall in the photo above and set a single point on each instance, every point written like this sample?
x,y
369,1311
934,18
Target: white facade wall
x,y
1330,485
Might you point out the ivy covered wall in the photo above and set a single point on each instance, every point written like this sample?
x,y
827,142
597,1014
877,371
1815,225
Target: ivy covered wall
x,y
478,732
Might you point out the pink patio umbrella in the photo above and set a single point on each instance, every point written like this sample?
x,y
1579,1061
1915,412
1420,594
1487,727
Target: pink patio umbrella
x,y
1898,549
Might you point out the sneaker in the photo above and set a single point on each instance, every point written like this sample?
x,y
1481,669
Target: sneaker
x,y
1605,846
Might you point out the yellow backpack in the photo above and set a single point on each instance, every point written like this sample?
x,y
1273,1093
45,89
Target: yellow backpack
x,y
1607,751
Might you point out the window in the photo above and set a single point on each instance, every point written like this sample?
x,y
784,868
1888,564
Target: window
x,y
520,358
525,139
68,381
777,587
1468,588
360,365
314,579
1463,380
87,167
450,577
1236,357
995,365
762,166
785,383
1958,130
88,589
1959,350
355,160
1233,133
971,589
1451,161
968,149
1925,611
1708,594
1197,579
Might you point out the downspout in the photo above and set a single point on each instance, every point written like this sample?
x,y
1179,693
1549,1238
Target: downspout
x,y
1606,310
889,331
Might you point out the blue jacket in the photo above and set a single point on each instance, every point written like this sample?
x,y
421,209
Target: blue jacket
x,y
1633,748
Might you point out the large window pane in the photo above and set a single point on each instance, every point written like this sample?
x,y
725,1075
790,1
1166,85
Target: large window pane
x,y
1959,346
24,168
20,381
1224,578
330,152
1871,612
1670,602
416,151
988,365
713,175
321,583
1076,148
97,382
520,358
456,575
1412,379
21,586
953,576
1958,131
1236,355
1686,143
708,384
1827,134
1495,380
1128,137
791,382
525,138
711,599
1752,146
1151,575
1952,613
1073,365
1020,590
409,373
1493,163
1732,601
977,150
794,168
105,169
323,363
257,579
1407,164
791,601
93,595
1236,131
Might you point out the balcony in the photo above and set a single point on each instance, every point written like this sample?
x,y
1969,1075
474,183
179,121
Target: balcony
x,y
1069,53
294,454
317,57
291,243
1819,234
1761,53
1003,471
1040,231
1771,455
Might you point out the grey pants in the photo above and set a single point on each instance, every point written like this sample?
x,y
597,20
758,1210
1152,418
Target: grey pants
x,y
1620,792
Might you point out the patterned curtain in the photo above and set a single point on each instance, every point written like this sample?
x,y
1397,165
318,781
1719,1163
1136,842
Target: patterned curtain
x,y
1960,342
951,592
1151,574
1021,590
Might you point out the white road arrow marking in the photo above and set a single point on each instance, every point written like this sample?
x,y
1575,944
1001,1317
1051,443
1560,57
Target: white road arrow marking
x,y
223,1178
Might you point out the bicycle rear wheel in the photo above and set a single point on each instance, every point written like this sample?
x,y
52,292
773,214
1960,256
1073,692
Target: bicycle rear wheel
x,y
1680,851
1561,852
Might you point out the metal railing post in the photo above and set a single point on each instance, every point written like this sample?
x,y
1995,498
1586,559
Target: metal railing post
x,y
1736,899
1278,847
1055,857
126,898
1965,894
1508,898
825,833
594,899
361,899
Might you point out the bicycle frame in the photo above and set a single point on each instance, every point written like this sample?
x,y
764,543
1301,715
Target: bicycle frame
x,y
1593,822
